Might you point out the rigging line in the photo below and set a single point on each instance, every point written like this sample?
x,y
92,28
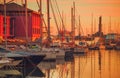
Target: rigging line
x,y
80,23
38,3
61,18
54,17
56,11
43,18
60,14
80,26
45,24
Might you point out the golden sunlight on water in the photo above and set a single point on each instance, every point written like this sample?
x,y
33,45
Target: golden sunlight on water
x,y
96,64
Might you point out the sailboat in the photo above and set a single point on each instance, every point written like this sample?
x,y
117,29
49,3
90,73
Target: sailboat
x,y
98,40
28,60
81,47
95,45
53,47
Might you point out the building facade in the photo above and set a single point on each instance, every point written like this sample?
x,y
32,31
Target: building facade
x,y
4,31
17,22
113,36
1,26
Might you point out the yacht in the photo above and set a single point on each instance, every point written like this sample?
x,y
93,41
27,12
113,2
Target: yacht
x,y
81,48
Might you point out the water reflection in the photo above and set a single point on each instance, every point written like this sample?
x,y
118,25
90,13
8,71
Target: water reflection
x,y
96,64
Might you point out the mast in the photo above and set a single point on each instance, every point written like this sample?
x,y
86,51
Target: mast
x,y
63,29
5,26
100,26
73,22
79,28
41,23
26,23
39,3
48,21
92,25
109,29
55,19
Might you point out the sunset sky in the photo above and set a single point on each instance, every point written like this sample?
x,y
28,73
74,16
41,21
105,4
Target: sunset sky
x,y
85,8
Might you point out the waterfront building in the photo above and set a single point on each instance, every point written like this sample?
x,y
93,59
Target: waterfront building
x,y
17,21
2,27
112,36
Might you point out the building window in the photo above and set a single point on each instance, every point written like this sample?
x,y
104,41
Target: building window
x,y
12,25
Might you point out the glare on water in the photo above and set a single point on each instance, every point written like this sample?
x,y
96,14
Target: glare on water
x,y
95,64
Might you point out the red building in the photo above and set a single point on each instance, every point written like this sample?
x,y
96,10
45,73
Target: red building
x,y
2,28
17,22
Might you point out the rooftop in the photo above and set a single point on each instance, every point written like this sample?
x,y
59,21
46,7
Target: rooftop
x,y
14,7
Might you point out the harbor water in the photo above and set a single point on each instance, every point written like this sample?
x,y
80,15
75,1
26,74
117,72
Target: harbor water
x,y
94,64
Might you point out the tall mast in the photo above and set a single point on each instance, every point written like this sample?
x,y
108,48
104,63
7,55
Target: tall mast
x,y
5,26
63,28
92,25
48,21
79,28
41,23
100,26
109,28
26,23
73,22
39,3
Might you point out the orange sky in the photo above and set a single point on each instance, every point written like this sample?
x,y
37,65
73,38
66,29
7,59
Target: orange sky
x,y
85,8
